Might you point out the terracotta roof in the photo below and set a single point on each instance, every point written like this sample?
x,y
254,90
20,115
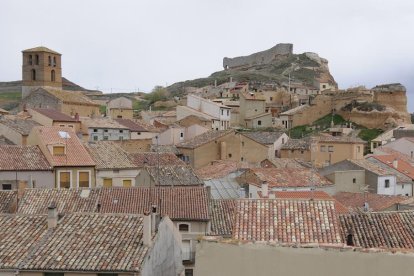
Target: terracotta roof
x,y
142,159
376,202
263,137
131,125
298,144
402,166
181,175
285,177
281,163
204,138
22,126
91,242
76,154
286,221
380,168
36,201
40,49
222,216
8,201
320,195
108,155
179,203
18,235
23,158
339,139
101,123
220,169
379,230
384,150
55,115
165,149
70,97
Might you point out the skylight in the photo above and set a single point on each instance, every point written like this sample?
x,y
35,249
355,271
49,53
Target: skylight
x,y
64,135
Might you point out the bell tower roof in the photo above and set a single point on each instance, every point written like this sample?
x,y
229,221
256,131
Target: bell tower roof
x,y
40,49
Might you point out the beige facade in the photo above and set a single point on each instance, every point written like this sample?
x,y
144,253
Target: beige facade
x,y
305,155
121,113
348,181
46,121
78,177
331,152
12,135
84,110
252,112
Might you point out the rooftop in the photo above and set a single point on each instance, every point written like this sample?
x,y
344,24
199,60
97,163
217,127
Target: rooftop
x,y
181,175
379,230
71,97
298,144
222,216
121,102
204,138
131,125
339,139
294,110
285,177
286,221
283,163
40,49
264,137
377,167
22,126
8,201
102,123
142,159
220,168
355,201
401,165
55,115
23,158
108,155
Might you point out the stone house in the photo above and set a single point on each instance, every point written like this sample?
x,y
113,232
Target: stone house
x,y
273,140
252,111
31,240
67,102
103,129
113,168
403,145
16,129
52,117
26,165
138,129
120,108
176,134
289,117
72,165
194,120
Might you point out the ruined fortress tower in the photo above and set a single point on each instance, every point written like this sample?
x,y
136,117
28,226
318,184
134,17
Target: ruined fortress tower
x,y
41,67
264,57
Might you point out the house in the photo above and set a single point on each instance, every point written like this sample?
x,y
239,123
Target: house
x,y
226,145
113,168
176,134
388,136
358,175
218,114
291,117
252,111
297,149
16,129
30,243
52,117
194,120
26,165
67,102
370,202
73,166
138,129
120,108
8,202
104,129
177,175
261,181
403,145
273,140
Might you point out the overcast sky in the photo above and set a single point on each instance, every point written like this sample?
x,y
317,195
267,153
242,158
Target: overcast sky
x,y
130,44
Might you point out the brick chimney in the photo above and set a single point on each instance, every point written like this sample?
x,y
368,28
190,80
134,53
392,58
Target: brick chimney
x,y
146,229
265,189
52,216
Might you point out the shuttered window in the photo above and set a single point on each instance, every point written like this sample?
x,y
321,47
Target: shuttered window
x,y
127,183
58,150
64,180
107,182
84,179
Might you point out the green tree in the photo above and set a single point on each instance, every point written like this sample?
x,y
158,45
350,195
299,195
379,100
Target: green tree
x,y
158,93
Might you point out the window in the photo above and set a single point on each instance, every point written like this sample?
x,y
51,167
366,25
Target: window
x,y
271,98
222,112
181,135
242,144
49,60
228,113
354,180
283,140
139,133
324,86
402,186
30,60
242,159
37,59
6,186
52,75
33,74
107,182
230,155
387,183
323,148
71,126
95,138
259,123
54,61
358,149
121,138
64,180
61,125
105,138
95,130
105,130
184,227
83,179
301,152
53,274
330,148
187,272
121,131
127,183
186,249
59,150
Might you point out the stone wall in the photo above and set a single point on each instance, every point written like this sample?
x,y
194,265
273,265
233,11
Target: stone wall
x,y
376,119
263,57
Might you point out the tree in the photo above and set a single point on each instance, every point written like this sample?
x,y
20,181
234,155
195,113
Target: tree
x,y
158,93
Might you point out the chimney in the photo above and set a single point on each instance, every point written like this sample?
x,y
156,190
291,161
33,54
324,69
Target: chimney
x,y
265,189
52,216
21,186
77,117
155,219
395,163
146,229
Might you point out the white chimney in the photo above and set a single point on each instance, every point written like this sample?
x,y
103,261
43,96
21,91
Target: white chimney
x,y
155,219
395,163
52,216
146,230
265,189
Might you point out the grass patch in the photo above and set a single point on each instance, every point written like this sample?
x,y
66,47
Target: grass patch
x,y
299,132
11,96
369,134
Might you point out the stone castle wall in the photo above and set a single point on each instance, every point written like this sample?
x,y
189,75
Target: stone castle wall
x,y
263,57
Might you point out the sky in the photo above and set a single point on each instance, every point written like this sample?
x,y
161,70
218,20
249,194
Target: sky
x,y
131,45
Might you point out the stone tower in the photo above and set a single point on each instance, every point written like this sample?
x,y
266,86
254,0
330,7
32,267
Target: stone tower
x,y
41,67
